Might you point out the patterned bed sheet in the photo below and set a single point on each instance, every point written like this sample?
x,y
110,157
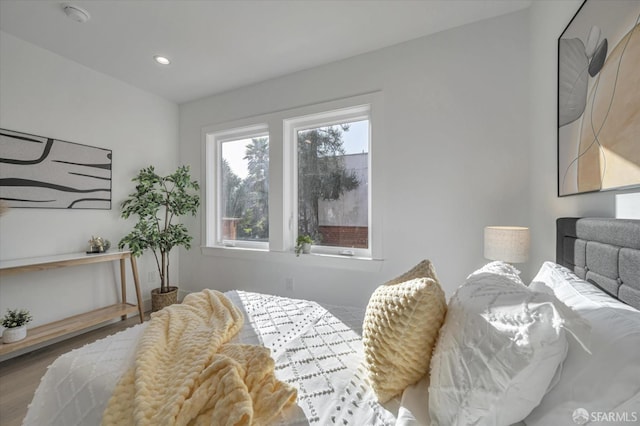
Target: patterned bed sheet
x,y
316,348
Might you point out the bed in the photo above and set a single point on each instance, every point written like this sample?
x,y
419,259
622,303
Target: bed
x,y
319,350
75,389
605,252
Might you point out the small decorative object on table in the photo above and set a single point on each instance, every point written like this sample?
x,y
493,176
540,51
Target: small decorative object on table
x,y
303,244
15,322
98,245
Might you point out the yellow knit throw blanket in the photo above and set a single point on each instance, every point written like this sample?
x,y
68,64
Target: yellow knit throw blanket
x,y
185,372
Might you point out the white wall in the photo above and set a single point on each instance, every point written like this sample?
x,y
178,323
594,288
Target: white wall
x,y
454,152
45,94
548,18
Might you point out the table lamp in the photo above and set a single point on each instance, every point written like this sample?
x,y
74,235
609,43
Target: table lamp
x,y
507,243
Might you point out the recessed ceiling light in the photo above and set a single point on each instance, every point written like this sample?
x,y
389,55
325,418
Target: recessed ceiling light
x,y
76,13
162,60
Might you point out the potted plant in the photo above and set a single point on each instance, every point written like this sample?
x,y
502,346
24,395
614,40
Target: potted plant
x,y
158,201
303,244
98,245
15,323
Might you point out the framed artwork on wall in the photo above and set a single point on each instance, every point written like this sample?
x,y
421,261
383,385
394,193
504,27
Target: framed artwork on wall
x,y
599,98
41,172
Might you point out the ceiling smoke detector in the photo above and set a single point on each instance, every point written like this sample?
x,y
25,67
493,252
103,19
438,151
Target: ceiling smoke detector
x,y
76,13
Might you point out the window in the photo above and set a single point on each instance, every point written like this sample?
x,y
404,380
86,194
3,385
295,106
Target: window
x,y
306,171
333,184
242,188
332,174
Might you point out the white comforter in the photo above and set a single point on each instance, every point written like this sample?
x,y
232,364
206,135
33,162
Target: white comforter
x,y
317,349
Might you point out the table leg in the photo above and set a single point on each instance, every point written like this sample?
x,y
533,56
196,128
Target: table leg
x,y
123,283
136,280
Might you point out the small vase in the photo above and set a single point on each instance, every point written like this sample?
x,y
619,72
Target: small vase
x,y
15,334
306,248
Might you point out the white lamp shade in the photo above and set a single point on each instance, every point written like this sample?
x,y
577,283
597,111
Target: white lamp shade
x,y
507,243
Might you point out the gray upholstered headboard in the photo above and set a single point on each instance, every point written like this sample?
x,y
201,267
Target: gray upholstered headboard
x,y
605,252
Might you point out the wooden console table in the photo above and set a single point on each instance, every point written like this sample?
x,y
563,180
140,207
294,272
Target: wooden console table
x,y
77,322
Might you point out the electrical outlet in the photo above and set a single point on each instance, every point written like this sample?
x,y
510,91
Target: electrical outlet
x,y
151,276
288,284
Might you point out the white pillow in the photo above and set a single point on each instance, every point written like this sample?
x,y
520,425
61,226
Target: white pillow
x,y
498,351
414,404
608,380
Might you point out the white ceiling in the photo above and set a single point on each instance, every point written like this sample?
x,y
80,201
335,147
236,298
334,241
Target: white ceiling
x,y
218,45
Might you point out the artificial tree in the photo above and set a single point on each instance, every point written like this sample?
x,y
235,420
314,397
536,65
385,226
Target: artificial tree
x,y
157,201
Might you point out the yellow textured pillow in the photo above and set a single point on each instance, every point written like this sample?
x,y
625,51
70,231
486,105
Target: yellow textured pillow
x,y
400,330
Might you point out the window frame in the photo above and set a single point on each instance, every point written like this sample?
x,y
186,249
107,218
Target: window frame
x,y
282,198
213,195
323,119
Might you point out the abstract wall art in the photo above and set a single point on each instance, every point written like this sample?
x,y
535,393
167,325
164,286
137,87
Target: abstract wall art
x,y
599,98
41,172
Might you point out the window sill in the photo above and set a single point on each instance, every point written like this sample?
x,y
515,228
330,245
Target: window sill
x,y
313,259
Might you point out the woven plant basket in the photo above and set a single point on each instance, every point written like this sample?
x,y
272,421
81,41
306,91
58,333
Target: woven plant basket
x,y
160,300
